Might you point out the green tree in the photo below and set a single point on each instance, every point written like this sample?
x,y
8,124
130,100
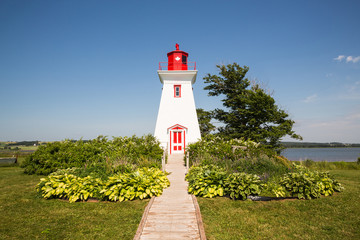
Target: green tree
x,y
250,111
204,118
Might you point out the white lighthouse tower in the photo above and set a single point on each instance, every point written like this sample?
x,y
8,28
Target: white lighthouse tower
x,y
177,124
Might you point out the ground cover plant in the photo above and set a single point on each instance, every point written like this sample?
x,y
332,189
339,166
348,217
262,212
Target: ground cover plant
x,y
140,184
206,181
307,184
322,218
26,215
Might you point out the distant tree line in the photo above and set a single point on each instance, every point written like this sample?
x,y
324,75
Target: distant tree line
x,y
23,143
317,145
10,148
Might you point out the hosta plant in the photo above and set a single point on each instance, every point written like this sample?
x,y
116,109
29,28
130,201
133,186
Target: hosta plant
x,y
70,187
206,181
241,185
306,184
273,187
139,184
143,183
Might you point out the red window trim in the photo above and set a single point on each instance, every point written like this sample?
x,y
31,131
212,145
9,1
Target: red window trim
x,y
179,86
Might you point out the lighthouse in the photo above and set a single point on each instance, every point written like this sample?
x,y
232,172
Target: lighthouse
x,y
177,124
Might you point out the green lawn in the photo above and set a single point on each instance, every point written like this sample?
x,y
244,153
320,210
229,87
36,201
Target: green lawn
x,y
25,215
335,217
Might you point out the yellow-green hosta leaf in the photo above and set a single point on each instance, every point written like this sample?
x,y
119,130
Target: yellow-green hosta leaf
x,y
86,195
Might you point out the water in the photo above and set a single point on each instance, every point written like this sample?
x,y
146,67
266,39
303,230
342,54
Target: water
x,y
322,154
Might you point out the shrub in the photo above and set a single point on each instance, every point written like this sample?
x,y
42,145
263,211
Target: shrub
x,y
100,154
264,167
221,149
237,155
308,163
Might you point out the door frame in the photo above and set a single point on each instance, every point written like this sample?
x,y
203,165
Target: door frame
x,y
177,128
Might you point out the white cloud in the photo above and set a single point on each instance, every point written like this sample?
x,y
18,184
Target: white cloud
x,y
352,59
311,98
339,58
347,58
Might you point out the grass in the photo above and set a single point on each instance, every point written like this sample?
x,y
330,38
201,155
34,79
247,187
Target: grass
x,y
335,217
25,215
28,148
324,165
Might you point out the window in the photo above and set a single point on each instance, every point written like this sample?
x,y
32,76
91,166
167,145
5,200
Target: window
x,y
177,91
184,60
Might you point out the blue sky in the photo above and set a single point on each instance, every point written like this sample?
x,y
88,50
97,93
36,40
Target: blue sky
x,y
72,69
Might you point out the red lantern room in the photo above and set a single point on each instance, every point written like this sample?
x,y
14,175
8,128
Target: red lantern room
x,y
177,60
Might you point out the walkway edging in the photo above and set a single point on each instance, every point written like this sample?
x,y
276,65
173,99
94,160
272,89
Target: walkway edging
x,y
199,218
143,219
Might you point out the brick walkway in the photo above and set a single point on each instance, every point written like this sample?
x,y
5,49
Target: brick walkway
x,y
172,215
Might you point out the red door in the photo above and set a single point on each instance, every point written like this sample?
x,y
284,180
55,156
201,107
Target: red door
x,y
177,141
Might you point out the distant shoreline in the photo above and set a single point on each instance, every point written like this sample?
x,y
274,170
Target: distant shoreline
x,y
324,147
318,145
